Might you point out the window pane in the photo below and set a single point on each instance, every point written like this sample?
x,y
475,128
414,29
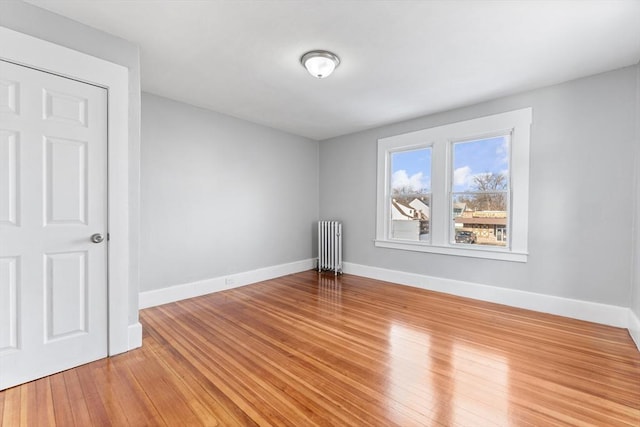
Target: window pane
x,y
411,171
410,217
410,195
474,224
481,165
480,204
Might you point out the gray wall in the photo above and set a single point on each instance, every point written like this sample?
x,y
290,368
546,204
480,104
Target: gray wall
x,y
635,289
581,205
221,195
45,25
581,193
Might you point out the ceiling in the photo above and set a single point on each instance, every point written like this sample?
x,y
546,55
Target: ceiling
x,y
400,59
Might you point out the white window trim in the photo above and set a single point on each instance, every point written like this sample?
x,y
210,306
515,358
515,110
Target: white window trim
x,y
516,123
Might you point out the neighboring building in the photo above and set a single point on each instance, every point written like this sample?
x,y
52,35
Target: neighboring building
x,y
459,209
490,227
410,221
422,210
400,211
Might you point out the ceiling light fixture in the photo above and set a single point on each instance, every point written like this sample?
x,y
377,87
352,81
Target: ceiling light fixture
x,y
320,63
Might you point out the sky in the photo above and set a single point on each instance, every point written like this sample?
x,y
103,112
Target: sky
x,y
413,168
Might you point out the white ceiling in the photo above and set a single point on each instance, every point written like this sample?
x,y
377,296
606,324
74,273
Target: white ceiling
x,y
400,59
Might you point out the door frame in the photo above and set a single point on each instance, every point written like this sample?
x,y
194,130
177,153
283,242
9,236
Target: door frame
x,y
45,56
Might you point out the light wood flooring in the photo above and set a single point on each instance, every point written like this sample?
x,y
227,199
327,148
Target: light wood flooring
x,y
310,349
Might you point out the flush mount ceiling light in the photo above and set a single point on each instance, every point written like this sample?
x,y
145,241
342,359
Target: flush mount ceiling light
x,y
320,63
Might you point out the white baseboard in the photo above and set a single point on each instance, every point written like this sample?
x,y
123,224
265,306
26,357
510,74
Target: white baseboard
x,y
605,314
135,335
207,286
634,328
583,310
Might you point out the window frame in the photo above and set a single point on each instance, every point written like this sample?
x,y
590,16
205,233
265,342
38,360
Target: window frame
x,y
517,123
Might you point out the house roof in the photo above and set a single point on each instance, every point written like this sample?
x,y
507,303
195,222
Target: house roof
x,y
422,208
402,208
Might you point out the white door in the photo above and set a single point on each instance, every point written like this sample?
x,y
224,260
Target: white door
x,y
53,199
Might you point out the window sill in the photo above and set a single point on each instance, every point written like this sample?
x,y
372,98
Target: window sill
x,y
485,253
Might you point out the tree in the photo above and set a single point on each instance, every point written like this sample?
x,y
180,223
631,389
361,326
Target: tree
x,y
490,182
492,193
408,190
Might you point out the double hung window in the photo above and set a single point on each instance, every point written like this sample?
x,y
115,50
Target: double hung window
x,y
458,189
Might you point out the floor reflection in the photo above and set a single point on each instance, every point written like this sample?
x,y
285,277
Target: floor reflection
x,y
411,376
444,382
329,292
480,385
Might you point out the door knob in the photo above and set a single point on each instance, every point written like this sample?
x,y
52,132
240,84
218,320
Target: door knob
x,y
97,238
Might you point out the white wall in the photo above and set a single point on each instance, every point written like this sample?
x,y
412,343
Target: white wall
x,y
221,195
40,23
581,193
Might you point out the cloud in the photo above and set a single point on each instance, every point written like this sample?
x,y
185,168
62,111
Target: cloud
x,y
401,180
502,151
462,177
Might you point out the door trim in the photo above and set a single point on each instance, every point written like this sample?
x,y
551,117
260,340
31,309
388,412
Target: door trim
x,y
46,56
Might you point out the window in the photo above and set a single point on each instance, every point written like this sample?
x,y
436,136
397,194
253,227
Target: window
x,y
458,189
480,190
410,196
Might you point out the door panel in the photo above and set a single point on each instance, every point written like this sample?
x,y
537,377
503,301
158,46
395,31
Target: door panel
x,y
8,303
53,183
65,181
66,292
64,107
9,169
9,91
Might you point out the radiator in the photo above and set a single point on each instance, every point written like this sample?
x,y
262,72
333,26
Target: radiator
x,y
330,246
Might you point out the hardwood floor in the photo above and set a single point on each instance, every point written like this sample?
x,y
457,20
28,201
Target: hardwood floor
x,y
310,349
